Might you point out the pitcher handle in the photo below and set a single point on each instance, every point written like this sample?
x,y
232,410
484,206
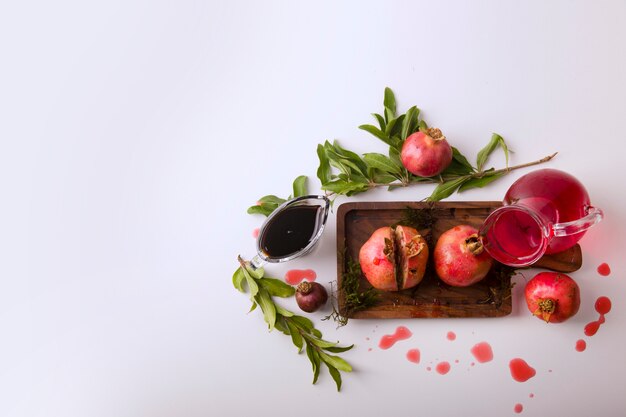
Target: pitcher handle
x,y
594,215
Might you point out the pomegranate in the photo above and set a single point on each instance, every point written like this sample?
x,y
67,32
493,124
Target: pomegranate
x,y
394,259
552,296
426,154
460,259
310,296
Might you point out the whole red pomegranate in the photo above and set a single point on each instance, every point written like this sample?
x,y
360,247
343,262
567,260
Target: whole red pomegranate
x,y
552,296
426,154
394,259
460,259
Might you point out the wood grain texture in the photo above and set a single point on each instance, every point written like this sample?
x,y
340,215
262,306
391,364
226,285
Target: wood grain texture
x,y
432,298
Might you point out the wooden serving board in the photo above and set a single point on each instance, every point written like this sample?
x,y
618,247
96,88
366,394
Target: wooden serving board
x,y
432,297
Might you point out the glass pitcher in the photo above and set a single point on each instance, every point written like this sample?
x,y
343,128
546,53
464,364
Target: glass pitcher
x,y
545,211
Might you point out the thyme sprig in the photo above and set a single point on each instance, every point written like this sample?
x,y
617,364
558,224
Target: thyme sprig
x,y
303,333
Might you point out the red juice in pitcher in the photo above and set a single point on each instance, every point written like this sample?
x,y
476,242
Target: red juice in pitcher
x,y
545,211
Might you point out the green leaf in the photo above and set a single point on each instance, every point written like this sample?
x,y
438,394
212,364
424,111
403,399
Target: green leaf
x,y
480,182
269,310
266,205
303,323
339,349
336,361
322,343
382,162
396,129
336,376
484,153
296,337
345,187
238,278
410,123
299,186
276,287
283,312
281,325
323,171
422,125
381,121
446,189
461,159
252,286
382,178
313,356
390,103
252,307
378,133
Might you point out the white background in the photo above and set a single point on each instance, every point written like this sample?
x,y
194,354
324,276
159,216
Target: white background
x,y
134,135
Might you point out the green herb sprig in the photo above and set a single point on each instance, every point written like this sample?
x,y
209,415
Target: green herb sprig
x,y
303,333
343,172
349,293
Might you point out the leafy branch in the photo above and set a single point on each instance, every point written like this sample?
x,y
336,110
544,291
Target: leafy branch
x,y
303,333
344,172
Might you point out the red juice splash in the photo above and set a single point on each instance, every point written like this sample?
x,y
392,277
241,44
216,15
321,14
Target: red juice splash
x,y
296,276
413,355
389,340
602,306
604,269
581,345
518,408
451,336
443,367
482,352
520,370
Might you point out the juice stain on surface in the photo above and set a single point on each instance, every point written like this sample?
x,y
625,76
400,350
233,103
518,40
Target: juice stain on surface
x,y
482,352
389,340
602,306
451,336
604,269
413,355
581,345
296,276
520,370
518,408
443,368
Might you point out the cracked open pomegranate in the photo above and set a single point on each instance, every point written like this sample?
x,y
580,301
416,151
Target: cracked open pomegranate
x,y
394,259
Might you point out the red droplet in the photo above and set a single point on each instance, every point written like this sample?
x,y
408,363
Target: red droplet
x,y
601,319
376,261
255,233
295,276
413,355
592,328
443,368
520,370
604,269
428,368
531,395
482,352
518,408
603,305
451,336
472,364
369,349
389,340
456,361
581,345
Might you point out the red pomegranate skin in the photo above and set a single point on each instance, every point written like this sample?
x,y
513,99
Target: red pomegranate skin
x,y
559,289
378,266
425,156
455,262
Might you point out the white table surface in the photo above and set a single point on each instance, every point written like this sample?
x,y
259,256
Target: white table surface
x,y
135,135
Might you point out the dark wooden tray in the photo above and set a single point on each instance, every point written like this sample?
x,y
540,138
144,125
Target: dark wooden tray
x,y
431,298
